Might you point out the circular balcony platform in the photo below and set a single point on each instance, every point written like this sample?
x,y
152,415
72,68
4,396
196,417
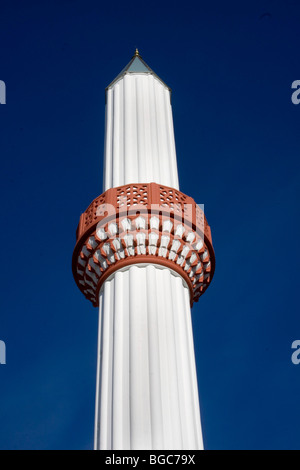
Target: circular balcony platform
x,y
143,223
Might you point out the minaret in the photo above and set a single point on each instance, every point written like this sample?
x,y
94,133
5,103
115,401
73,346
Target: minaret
x,y
143,255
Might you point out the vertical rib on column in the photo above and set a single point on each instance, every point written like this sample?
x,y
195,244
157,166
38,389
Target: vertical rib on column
x,y
171,141
98,379
120,392
108,151
171,418
116,137
193,372
154,362
140,413
130,137
106,359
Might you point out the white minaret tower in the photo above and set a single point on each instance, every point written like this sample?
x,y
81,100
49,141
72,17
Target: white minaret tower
x,y
143,255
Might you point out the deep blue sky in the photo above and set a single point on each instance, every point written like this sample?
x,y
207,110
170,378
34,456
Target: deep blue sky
x,y
231,66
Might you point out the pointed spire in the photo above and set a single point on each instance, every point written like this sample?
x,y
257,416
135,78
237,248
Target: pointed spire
x,y
136,65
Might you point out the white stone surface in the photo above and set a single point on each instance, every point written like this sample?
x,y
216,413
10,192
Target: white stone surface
x,y
139,135
147,395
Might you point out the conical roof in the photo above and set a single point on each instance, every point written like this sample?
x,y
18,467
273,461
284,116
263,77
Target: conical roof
x,y
137,65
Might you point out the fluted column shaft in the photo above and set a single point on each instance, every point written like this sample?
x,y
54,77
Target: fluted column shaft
x,y
139,138
147,395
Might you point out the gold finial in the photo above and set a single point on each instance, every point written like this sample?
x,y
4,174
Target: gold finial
x,y
136,52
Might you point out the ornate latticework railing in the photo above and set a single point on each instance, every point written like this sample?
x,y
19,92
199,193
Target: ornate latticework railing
x,y
143,223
